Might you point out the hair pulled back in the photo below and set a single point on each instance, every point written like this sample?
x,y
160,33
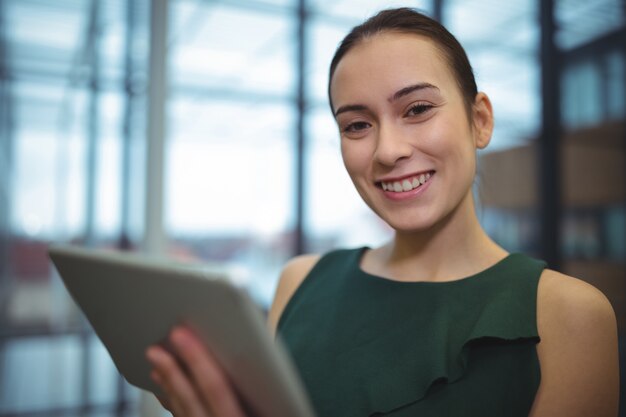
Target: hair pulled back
x,y
408,20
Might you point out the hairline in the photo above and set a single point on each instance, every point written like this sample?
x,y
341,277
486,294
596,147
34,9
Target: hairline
x,y
438,47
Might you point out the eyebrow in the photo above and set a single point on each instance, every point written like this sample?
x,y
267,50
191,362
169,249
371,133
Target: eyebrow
x,y
408,90
397,95
350,107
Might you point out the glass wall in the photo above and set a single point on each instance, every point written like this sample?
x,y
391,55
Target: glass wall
x,y
72,78
229,167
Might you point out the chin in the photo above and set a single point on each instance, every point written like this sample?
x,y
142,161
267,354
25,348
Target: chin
x,y
420,218
409,224
411,229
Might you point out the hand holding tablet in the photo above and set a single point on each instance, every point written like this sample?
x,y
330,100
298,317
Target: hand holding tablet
x,y
202,390
134,303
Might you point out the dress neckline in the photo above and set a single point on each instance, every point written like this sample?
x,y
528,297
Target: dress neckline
x,y
489,271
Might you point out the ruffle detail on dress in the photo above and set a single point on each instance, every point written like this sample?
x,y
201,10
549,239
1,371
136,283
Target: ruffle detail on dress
x,y
407,385
507,318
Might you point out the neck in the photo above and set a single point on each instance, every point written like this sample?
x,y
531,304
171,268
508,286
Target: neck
x,y
455,247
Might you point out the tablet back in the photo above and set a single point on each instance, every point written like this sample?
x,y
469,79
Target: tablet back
x,y
133,302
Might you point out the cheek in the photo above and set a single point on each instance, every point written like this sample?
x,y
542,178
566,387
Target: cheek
x,y
462,165
452,141
356,157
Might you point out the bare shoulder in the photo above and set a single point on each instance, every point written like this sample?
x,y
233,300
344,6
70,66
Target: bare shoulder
x,y
571,305
291,277
578,349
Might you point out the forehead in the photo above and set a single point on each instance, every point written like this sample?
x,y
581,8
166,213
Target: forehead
x,y
386,62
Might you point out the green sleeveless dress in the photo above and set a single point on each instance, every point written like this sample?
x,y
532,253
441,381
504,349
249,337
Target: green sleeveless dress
x,y
369,346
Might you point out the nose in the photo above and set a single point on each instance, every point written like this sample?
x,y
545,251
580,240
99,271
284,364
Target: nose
x,y
392,145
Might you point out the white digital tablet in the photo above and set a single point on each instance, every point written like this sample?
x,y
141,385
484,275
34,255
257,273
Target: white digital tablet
x,y
133,302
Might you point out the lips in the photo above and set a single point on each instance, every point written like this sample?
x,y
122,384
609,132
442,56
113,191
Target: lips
x,y
407,183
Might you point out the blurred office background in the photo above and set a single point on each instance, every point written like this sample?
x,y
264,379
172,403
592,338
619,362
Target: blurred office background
x,y
230,154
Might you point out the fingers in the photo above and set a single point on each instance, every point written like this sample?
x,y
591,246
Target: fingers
x,y
170,405
210,381
199,387
182,400
162,399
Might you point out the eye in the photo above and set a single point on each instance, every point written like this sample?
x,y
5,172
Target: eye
x,y
356,127
418,109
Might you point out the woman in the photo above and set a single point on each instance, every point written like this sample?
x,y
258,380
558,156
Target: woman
x,y
441,320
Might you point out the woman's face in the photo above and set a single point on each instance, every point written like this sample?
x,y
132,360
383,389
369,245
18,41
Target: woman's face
x,y
405,136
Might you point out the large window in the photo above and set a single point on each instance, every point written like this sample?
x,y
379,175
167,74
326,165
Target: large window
x,y
229,167
65,131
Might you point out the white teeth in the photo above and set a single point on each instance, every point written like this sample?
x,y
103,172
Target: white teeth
x,y
405,185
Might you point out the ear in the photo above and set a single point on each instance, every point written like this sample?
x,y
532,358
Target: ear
x,y
482,114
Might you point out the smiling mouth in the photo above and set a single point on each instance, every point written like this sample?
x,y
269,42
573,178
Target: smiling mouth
x,y
406,184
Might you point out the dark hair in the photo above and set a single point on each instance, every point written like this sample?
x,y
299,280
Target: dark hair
x,y
407,20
